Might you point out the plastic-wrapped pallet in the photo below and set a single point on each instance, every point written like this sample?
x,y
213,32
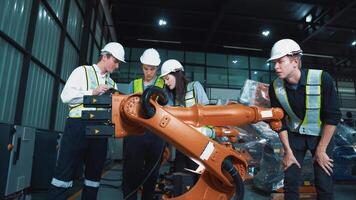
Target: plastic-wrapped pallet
x,y
255,93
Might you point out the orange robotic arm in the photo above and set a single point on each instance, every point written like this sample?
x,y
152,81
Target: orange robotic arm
x,y
224,165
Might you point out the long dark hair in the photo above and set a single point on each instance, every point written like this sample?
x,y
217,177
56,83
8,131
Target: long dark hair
x,y
181,86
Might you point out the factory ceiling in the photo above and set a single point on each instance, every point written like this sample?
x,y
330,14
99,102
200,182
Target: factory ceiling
x,y
325,29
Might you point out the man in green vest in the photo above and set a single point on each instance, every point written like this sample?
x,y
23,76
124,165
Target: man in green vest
x,y
142,154
311,108
75,148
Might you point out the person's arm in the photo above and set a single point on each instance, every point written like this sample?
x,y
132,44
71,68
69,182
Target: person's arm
x,y
330,117
200,94
75,87
289,157
320,154
275,104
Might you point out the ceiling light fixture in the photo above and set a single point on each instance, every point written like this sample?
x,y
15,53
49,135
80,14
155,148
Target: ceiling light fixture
x,y
159,41
266,33
162,22
308,18
234,61
353,43
318,55
241,48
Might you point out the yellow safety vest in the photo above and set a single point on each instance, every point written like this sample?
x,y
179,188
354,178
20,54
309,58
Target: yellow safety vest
x,y
311,124
92,83
138,84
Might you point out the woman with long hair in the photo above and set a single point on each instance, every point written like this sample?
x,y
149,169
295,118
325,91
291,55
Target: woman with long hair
x,y
185,93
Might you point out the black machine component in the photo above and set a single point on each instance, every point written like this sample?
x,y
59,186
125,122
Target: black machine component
x,y
100,130
16,152
101,117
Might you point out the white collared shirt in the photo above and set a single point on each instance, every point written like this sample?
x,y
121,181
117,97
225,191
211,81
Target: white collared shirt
x,y
76,85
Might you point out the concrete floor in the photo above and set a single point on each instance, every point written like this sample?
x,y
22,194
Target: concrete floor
x,y
110,189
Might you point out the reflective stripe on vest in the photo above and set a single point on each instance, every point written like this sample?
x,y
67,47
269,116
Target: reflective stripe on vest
x,y
189,98
311,124
92,83
138,84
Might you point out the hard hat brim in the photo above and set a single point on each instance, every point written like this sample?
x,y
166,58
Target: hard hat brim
x,y
275,58
146,63
163,74
122,60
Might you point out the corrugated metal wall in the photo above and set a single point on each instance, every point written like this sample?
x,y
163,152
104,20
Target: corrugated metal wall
x,y
43,63
62,110
38,98
14,18
46,42
10,64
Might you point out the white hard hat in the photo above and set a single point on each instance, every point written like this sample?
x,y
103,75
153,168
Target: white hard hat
x,y
150,57
116,50
169,66
284,47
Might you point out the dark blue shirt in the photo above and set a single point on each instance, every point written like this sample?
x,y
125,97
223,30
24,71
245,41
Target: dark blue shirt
x,y
330,110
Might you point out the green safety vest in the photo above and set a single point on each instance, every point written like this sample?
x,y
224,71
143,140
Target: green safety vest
x,y
311,124
189,98
92,83
138,84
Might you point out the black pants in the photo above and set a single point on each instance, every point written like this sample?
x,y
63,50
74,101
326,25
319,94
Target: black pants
x,y
75,149
142,154
323,183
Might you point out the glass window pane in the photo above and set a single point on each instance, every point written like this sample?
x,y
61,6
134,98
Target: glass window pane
x,y
273,76
136,54
216,60
90,41
237,77
347,96
95,55
195,57
62,112
260,76
70,59
217,77
194,73
46,41
98,32
178,55
127,53
58,7
162,54
82,4
135,70
14,17
10,73
38,98
259,63
237,61
75,23
122,74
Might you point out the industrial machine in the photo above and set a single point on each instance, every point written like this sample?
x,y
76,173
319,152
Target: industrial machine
x,y
16,152
225,168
